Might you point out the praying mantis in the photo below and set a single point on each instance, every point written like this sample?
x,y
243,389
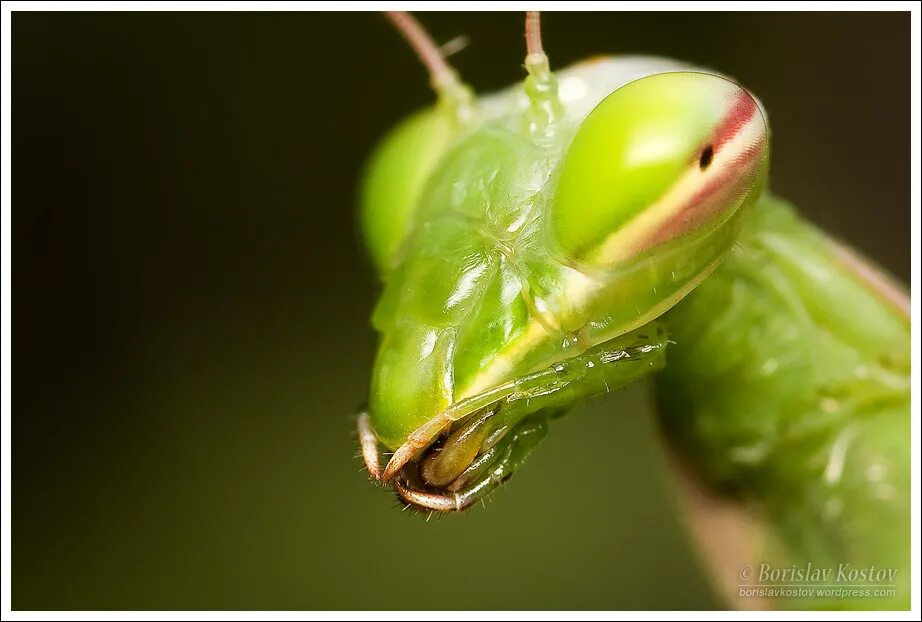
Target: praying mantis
x,y
608,223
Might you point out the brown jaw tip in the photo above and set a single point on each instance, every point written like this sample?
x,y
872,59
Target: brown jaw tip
x,y
430,500
396,463
418,440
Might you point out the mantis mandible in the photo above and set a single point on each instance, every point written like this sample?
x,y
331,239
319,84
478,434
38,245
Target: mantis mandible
x,y
610,222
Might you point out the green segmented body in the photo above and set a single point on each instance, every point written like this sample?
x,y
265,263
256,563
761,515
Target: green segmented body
x,y
532,251
788,385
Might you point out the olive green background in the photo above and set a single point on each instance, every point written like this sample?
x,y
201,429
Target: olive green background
x,y
192,306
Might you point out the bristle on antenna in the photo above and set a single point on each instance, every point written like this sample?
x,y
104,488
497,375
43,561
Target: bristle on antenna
x,y
440,72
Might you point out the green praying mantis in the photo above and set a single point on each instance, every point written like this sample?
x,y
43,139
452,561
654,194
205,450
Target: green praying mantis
x,y
607,223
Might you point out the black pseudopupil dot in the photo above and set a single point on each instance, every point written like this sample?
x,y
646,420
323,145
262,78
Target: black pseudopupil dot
x,y
706,156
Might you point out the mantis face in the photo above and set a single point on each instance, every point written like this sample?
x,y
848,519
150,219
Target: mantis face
x,y
528,241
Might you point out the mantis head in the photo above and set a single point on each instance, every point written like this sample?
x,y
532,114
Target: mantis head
x,y
528,243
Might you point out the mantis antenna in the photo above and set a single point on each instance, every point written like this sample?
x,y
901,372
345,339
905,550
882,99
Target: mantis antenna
x,y
533,45
442,76
540,85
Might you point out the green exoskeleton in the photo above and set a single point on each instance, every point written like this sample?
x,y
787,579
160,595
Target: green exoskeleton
x,y
605,223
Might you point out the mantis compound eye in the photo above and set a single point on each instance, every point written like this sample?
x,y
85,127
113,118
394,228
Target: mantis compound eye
x,y
396,174
659,158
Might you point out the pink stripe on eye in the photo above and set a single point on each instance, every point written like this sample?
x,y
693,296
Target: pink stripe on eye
x,y
741,112
705,203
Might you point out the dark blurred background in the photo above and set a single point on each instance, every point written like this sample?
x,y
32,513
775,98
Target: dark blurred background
x,y
192,307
